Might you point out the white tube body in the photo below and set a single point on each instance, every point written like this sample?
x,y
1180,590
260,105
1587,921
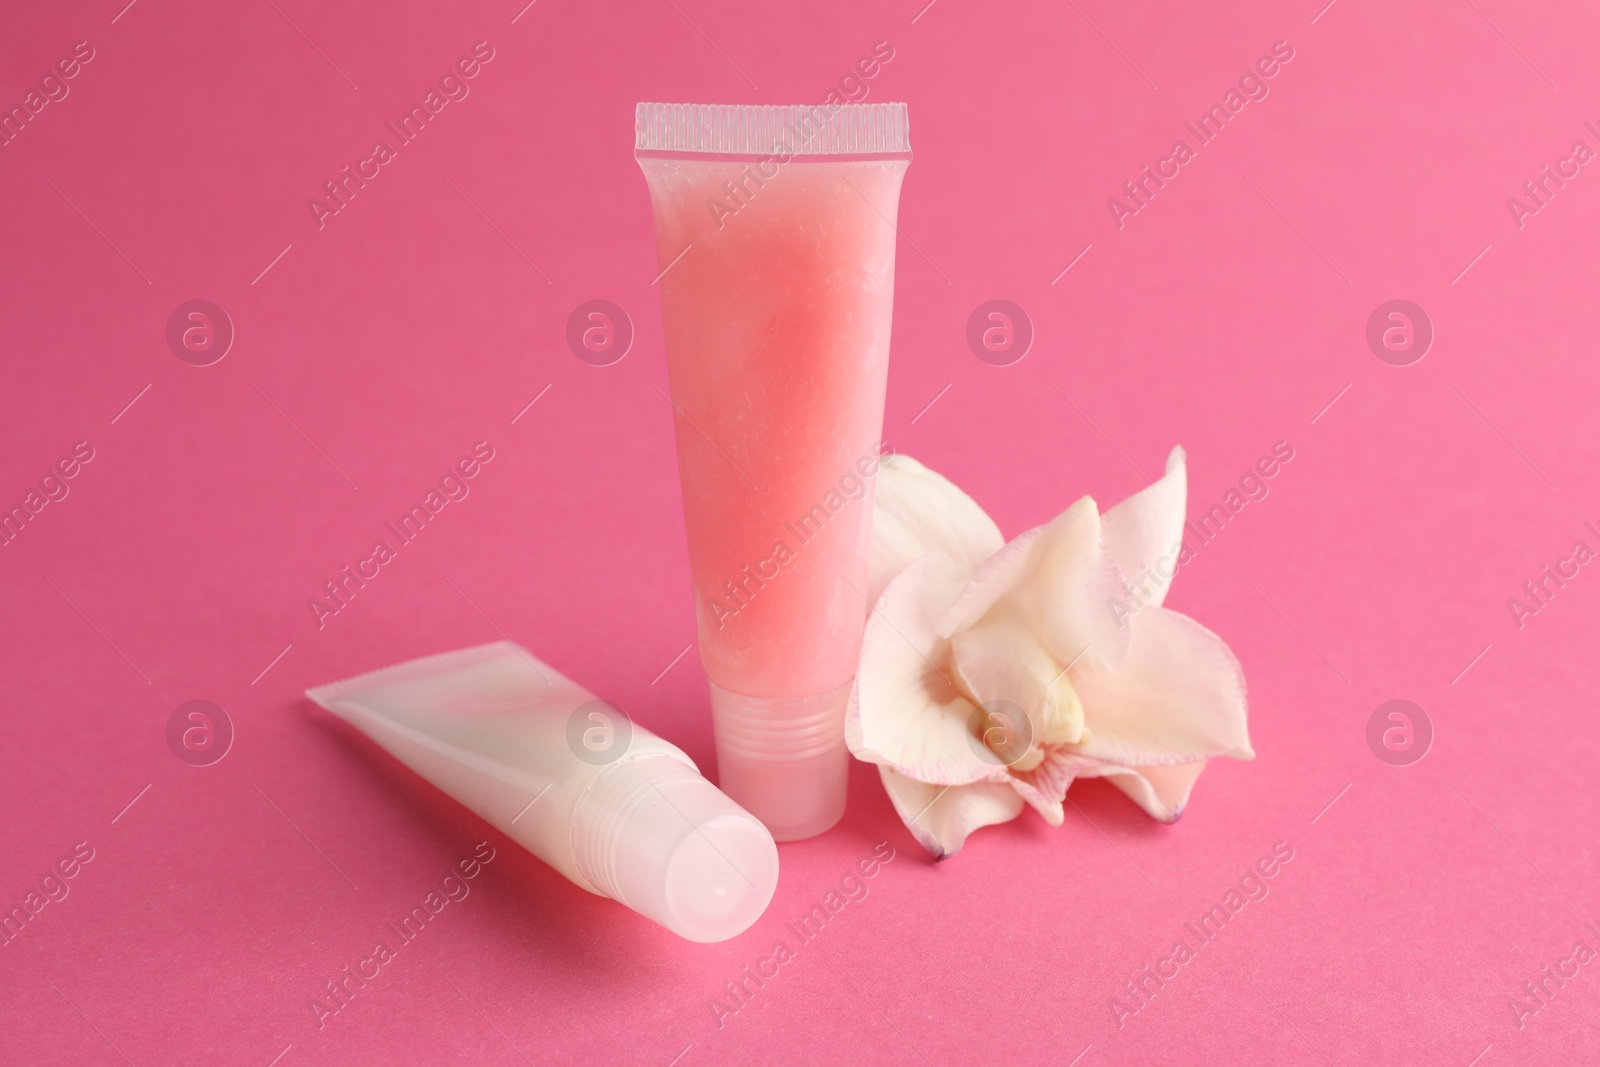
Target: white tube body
x,y
489,726
616,809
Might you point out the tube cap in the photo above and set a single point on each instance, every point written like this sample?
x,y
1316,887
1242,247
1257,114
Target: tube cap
x,y
784,758
654,835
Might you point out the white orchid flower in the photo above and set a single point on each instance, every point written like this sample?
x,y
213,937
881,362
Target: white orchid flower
x,y
993,674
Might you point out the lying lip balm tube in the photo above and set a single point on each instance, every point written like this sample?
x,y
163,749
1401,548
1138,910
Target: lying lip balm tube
x,y
775,236
613,807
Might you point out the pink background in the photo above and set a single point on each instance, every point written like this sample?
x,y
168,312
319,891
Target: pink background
x,y
1225,316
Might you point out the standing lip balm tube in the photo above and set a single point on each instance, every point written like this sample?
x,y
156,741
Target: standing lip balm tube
x,y
775,235
611,806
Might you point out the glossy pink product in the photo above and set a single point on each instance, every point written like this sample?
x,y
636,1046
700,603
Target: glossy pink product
x,y
616,809
775,235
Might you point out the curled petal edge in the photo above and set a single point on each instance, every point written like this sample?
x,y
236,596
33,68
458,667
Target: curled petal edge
x,y
1163,792
1144,532
942,817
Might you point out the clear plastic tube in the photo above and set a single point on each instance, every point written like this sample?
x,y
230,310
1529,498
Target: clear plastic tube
x,y
611,806
775,232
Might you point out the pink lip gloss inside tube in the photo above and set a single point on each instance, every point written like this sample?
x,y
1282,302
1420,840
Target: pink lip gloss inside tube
x,y
775,234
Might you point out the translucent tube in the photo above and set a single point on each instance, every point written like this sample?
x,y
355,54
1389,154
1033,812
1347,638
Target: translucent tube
x,y
775,232
611,806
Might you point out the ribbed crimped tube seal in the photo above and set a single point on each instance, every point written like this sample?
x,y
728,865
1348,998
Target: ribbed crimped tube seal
x,y
834,130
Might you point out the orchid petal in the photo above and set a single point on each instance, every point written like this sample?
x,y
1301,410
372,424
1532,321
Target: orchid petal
x,y
1162,791
905,710
1145,531
941,817
1060,574
1178,697
919,511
